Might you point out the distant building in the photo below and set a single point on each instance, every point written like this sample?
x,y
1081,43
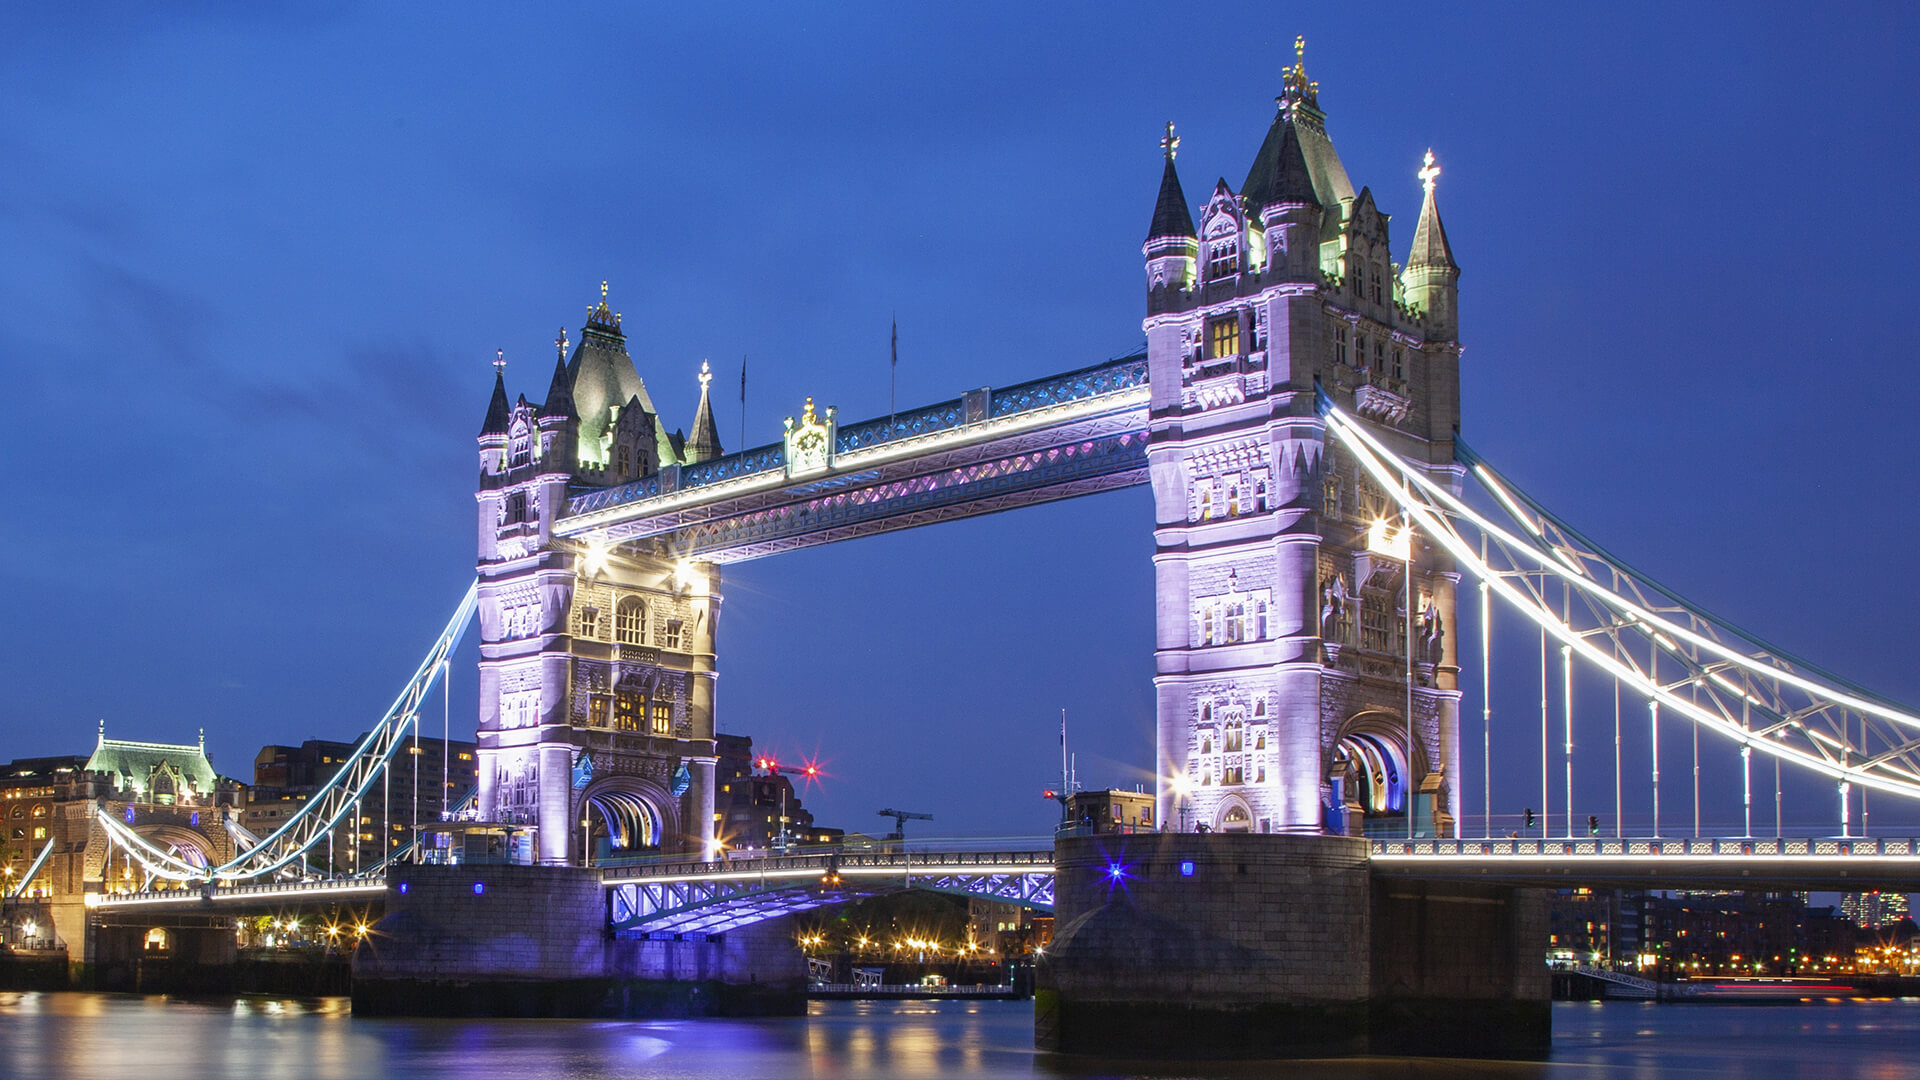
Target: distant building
x,y
1111,810
1700,934
286,777
999,930
167,793
1874,909
755,807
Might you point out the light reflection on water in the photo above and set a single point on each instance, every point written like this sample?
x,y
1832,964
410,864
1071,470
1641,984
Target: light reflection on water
x,y
76,1036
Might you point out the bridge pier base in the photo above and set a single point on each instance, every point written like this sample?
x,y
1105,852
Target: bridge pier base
x,y
533,941
1252,946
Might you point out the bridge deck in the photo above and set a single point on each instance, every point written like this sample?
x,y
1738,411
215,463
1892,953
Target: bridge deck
x,y
1770,864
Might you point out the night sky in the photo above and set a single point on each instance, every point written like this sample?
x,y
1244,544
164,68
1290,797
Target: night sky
x,y
254,268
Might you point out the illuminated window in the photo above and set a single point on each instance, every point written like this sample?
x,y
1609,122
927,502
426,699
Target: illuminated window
x,y
628,710
662,713
1236,616
39,832
1223,337
1330,494
598,708
1260,620
1232,775
1234,736
1260,492
630,621
40,810
589,622
674,635
1233,500
1206,632
1206,501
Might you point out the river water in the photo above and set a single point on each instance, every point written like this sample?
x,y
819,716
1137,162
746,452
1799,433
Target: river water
x,y
126,1037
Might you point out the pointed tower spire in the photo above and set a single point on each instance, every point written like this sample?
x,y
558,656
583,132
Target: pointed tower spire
x,y
498,410
560,391
1432,277
1171,218
1430,237
704,445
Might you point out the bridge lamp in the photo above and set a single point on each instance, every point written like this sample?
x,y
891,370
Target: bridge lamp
x,y
594,558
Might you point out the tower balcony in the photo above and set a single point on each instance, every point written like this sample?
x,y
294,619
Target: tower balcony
x,y
1223,381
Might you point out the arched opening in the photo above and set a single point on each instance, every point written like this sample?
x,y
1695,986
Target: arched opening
x,y
156,940
1370,782
1234,817
622,823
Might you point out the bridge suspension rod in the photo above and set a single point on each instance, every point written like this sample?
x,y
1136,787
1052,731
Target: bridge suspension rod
x,y
1442,515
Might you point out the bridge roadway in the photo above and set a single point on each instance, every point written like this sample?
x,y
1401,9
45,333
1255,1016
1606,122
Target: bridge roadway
x,y
688,896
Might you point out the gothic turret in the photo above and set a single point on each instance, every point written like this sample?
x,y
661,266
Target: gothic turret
x,y
498,408
1279,196
1431,276
557,419
704,445
1172,246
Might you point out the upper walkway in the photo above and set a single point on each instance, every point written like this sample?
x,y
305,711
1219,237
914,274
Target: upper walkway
x,y
1771,863
990,449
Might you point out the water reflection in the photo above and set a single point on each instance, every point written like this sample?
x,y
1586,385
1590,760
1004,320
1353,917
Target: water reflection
x,y
72,1036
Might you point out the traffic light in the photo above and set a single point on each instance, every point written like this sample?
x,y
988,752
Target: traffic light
x,y
1593,825
1529,817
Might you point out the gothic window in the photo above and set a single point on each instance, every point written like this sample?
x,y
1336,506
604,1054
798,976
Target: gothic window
x,y
39,810
621,460
675,634
1206,625
1223,257
1399,365
1235,736
1233,500
1377,630
1206,743
1206,501
1233,775
1260,492
1330,494
630,621
1339,344
597,709
1359,350
589,622
514,510
1236,616
1260,620
1376,283
661,715
1262,778
1206,713
1260,740
628,708
1223,337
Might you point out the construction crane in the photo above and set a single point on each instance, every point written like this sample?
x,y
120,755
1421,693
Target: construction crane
x,y
900,819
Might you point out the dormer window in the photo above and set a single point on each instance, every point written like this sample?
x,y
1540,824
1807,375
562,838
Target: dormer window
x,y
1223,258
1223,337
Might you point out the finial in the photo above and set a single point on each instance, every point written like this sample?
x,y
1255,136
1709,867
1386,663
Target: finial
x,y
1170,143
560,343
603,291
103,729
203,738
1428,172
706,376
500,362
807,419
1300,49
1296,88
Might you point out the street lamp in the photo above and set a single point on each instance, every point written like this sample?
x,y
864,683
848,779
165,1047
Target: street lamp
x,y
1182,792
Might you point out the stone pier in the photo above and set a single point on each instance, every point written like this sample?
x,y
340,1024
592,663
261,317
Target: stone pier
x,y
534,941
1251,946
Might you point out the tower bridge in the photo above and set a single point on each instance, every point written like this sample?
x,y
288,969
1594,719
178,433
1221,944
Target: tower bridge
x,y
1296,414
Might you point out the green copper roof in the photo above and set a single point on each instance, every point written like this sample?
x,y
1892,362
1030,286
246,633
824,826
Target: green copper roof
x,y
135,765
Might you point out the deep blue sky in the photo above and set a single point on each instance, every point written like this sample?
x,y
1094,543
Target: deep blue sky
x,y
253,268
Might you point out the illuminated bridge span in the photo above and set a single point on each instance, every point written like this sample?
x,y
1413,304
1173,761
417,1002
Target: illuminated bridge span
x,y
1766,863
988,450
711,898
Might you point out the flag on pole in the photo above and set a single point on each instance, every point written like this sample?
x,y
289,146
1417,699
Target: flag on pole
x,y
896,341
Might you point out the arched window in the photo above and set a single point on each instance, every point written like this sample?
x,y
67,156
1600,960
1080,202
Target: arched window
x,y
630,621
1236,734
1206,625
1260,620
156,940
1260,493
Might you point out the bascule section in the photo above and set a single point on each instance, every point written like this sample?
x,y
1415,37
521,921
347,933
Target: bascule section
x,y
1306,678
596,725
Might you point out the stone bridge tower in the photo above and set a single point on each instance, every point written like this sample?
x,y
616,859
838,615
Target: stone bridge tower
x,y
1284,638
596,663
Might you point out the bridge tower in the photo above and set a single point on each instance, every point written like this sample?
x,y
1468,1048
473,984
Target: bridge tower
x,y
1288,642
596,662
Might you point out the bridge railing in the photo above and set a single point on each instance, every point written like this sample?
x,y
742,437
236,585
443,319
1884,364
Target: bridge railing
x,y
1655,846
905,861
255,891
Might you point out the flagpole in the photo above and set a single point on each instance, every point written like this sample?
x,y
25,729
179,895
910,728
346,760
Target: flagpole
x,y
743,401
893,370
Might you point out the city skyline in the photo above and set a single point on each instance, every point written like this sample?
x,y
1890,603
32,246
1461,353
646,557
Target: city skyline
x,y
291,282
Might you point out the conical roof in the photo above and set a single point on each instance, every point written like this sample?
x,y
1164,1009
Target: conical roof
x,y
1171,218
498,410
705,443
1430,246
559,392
1279,173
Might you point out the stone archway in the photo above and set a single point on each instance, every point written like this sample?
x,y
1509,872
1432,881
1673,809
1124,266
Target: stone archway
x,y
1372,776
626,816
1233,815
